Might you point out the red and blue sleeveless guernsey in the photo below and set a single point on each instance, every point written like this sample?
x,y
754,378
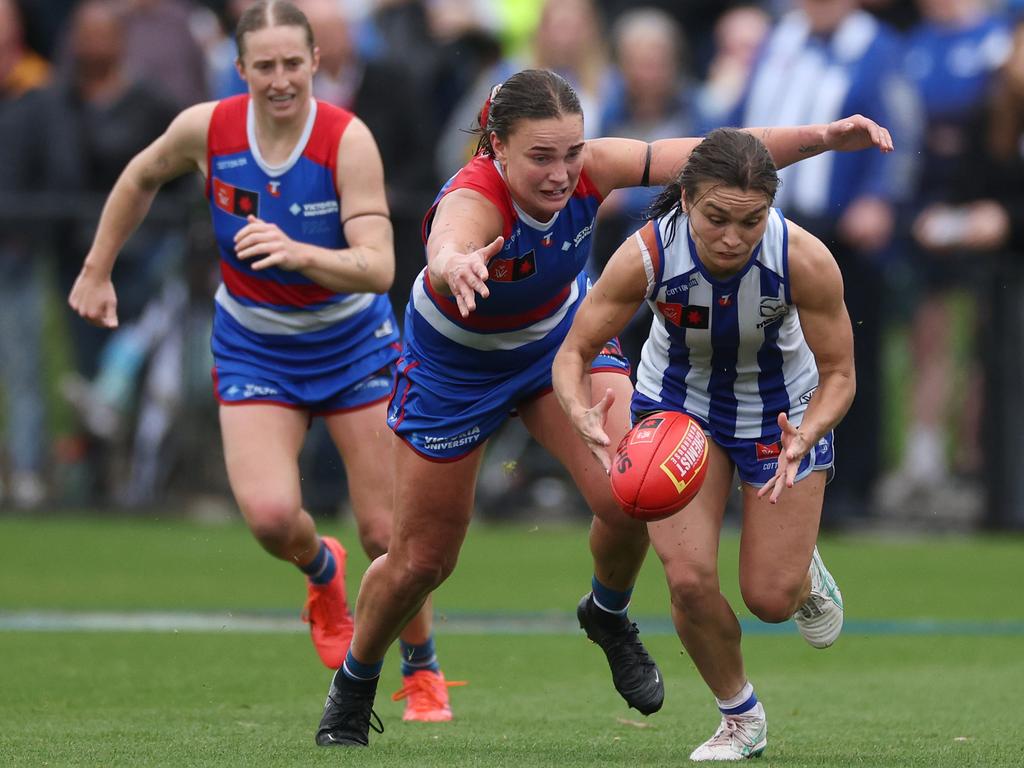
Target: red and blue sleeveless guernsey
x,y
274,325
536,282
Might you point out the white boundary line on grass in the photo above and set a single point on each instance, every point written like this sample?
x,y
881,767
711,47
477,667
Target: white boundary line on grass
x,y
462,624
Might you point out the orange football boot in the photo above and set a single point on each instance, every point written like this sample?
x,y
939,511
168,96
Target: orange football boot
x,y
327,614
426,696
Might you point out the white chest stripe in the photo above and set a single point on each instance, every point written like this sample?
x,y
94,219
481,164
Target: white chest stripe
x,y
487,342
269,321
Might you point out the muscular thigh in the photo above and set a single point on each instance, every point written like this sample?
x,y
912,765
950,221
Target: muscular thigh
x,y
688,540
261,449
777,539
366,445
549,425
433,506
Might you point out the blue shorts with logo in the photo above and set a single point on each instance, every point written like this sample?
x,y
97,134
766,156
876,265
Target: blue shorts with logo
x,y
757,460
444,418
240,388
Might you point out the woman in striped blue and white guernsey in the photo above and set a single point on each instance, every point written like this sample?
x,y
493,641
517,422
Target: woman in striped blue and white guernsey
x,y
752,339
507,241
303,326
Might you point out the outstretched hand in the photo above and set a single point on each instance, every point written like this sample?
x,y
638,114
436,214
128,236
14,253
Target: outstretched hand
x,y
590,424
850,134
466,275
794,448
259,238
94,299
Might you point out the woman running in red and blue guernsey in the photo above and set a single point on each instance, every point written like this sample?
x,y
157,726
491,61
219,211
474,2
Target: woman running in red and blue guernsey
x,y
303,326
507,241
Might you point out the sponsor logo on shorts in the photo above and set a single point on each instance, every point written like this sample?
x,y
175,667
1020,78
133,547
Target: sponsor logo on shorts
x,y
686,459
470,436
250,390
768,451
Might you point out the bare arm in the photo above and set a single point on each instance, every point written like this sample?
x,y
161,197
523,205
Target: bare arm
x,y
464,236
817,290
368,264
616,163
605,311
180,149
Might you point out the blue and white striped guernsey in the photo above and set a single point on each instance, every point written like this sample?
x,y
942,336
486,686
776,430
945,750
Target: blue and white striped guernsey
x,y
730,353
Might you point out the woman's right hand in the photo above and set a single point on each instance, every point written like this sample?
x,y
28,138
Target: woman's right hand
x,y
466,274
93,297
590,424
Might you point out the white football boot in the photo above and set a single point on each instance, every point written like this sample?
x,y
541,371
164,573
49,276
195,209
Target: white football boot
x,y
820,619
737,738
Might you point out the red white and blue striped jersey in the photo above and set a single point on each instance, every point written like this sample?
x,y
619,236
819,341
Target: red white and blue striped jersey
x,y
536,282
275,318
728,352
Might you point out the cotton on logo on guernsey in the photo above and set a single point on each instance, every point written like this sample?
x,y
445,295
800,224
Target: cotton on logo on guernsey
x,y
686,457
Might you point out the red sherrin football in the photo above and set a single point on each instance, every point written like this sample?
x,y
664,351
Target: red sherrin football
x,y
659,465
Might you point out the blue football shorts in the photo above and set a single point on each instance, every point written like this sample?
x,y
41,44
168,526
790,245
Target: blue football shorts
x,y
444,418
757,460
240,388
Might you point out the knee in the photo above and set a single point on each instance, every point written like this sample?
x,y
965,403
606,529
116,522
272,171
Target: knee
x,y
771,603
421,572
374,536
691,587
270,519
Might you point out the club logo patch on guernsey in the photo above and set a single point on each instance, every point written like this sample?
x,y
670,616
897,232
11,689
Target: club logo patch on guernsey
x,y
646,430
770,451
687,458
235,200
513,270
685,315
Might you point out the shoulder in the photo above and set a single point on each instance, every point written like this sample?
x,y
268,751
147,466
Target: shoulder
x,y
813,272
191,128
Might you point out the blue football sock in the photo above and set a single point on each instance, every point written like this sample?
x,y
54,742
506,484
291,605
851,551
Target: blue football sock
x,y
356,670
418,657
608,599
321,569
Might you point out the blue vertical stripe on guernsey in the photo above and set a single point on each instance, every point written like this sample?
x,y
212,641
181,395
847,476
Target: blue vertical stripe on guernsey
x,y
771,382
678,368
725,343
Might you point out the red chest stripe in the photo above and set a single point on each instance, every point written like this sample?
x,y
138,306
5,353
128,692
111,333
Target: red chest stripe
x,y
248,286
477,322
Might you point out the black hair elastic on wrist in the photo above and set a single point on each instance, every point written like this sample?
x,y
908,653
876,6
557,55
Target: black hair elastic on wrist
x,y
645,180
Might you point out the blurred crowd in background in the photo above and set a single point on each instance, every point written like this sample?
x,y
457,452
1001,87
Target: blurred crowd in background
x,y
928,238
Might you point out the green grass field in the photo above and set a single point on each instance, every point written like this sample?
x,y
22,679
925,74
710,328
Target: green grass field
x,y
927,673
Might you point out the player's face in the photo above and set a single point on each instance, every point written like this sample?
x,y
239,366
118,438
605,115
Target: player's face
x,y
726,224
278,66
542,161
